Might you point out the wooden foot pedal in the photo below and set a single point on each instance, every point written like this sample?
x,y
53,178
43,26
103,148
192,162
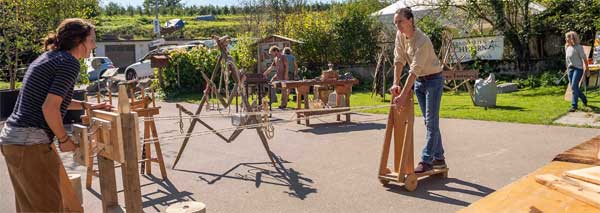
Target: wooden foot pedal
x,y
411,180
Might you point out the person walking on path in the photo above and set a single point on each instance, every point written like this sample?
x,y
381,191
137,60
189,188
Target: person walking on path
x,y
577,64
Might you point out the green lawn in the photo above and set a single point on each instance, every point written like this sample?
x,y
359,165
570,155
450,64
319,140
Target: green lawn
x,y
534,106
6,85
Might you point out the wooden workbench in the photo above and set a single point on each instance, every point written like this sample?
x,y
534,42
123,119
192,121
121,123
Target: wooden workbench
x,y
526,195
342,87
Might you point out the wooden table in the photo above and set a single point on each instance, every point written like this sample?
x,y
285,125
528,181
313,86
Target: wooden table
x,y
526,195
342,87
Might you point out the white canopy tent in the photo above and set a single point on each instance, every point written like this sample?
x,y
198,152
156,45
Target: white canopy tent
x,y
422,8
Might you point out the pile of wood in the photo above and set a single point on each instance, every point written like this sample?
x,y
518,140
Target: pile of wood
x,y
581,184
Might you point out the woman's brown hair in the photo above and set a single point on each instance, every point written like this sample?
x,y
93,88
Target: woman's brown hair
x,y
70,33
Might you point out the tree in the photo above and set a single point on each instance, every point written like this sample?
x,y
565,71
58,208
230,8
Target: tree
x,y
112,8
130,10
355,31
22,34
562,16
511,18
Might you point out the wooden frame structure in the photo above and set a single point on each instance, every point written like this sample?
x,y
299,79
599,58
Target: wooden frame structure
x,y
455,72
143,109
342,88
103,126
238,89
115,138
399,129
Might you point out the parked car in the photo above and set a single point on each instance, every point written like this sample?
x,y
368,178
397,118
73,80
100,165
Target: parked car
x,y
97,66
211,43
142,69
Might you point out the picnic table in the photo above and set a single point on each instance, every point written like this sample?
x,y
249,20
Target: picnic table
x,y
302,87
526,195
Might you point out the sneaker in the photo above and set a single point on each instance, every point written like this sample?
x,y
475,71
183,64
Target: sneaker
x,y
439,164
585,103
282,107
572,109
423,167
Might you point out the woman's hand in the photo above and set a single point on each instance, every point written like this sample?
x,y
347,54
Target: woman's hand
x,y
400,102
587,72
103,105
67,146
395,90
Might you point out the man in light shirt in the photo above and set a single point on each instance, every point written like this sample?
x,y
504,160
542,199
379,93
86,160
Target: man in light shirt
x,y
414,48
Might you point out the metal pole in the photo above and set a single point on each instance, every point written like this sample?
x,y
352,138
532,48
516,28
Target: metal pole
x,y
156,17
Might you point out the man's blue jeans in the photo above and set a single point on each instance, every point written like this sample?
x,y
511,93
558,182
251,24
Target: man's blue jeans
x,y
575,75
429,93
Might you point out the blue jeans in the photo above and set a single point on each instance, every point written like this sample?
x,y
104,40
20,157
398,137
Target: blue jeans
x,y
429,94
575,75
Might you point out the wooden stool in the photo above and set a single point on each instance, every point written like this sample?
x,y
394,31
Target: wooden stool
x,y
141,107
187,207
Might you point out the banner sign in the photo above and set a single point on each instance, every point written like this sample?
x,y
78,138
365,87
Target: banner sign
x,y
488,48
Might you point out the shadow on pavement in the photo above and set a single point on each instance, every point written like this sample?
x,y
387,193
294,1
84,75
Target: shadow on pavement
x,y
427,186
169,194
298,185
332,128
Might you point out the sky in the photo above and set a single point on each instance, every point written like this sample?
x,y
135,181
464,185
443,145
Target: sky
x,y
190,2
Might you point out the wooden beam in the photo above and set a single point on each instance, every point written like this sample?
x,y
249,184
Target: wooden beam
x,y
583,191
108,183
131,179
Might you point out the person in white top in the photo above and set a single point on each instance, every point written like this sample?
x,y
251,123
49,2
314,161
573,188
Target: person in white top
x,y
576,62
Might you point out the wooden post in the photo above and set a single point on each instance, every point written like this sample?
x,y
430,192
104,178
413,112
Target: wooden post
x,y
71,203
160,77
131,179
108,184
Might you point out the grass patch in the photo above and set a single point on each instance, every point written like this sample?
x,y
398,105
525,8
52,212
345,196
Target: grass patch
x,y
6,85
532,106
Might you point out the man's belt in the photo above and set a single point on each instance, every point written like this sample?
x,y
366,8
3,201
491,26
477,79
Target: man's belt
x,y
429,77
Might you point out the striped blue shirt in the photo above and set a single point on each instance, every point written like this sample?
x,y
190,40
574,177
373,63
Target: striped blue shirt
x,y
53,72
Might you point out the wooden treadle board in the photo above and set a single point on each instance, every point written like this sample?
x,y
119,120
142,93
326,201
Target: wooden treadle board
x,y
432,172
591,174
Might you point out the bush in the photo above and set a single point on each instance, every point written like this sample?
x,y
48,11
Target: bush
x,y
545,79
345,34
190,64
244,52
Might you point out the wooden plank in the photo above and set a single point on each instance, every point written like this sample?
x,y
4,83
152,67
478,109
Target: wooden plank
x,y
385,153
147,112
110,138
526,194
591,174
70,201
585,153
81,155
131,179
108,183
158,150
586,192
147,152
